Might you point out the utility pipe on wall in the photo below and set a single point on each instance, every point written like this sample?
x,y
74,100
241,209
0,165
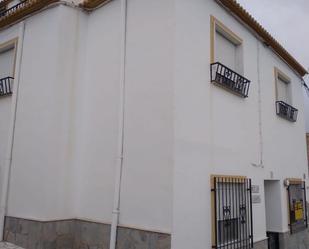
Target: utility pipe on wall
x,y
119,159
6,167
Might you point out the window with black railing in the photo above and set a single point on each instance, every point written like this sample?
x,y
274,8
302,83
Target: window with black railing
x,y
227,78
286,111
232,213
6,86
9,11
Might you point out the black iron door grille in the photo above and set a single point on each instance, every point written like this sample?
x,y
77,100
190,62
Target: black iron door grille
x,y
232,210
297,207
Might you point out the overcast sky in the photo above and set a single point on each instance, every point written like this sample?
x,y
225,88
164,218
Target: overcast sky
x,y
287,21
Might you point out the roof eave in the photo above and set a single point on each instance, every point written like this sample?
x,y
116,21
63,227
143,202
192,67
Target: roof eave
x,y
93,4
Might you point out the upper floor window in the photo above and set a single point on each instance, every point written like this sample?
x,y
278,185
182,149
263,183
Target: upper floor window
x,y
227,59
284,106
7,66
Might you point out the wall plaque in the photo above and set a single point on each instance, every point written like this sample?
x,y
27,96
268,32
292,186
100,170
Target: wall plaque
x,y
255,189
256,199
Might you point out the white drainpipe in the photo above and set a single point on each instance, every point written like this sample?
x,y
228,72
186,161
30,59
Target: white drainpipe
x,y
119,164
6,167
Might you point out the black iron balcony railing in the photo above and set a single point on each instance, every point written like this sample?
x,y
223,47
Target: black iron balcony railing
x,y
229,79
6,86
286,111
13,8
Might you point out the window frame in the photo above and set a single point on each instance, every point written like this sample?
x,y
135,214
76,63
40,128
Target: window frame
x,y
214,180
218,26
284,77
7,83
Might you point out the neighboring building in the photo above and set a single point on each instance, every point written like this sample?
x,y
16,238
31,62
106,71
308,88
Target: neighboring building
x,y
179,124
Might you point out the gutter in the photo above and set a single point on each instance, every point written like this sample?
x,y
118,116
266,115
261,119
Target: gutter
x,y
119,159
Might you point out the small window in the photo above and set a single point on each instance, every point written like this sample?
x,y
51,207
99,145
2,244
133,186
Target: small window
x,y
227,59
283,88
297,205
226,47
284,107
7,67
232,212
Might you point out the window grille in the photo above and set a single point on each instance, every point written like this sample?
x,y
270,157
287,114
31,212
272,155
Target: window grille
x,y
6,86
286,111
232,210
227,78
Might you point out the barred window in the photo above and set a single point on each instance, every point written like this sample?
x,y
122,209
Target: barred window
x,y
232,213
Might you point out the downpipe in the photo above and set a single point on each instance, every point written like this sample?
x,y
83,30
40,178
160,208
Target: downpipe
x,y
6,168
119,159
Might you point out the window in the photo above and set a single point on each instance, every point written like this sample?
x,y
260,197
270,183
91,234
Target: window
x,y
227,59
297,205
283,87
232,212
284,106
226,46
7,66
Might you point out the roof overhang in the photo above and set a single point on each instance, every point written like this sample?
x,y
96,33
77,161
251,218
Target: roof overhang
x,y
93,4
27,9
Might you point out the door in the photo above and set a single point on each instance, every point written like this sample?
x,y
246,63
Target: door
x,y
273,240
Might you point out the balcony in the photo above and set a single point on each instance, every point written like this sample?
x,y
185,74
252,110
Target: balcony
x,y
13,9
227,78
286,111
6,86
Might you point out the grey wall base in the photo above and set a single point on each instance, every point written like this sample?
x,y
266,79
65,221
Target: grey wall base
x,y
299,240
78,234
261,244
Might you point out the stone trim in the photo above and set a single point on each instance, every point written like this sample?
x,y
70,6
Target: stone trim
x,y
78,234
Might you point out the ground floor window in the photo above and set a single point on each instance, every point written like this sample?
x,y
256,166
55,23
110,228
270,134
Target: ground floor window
x,y
232,212
297,205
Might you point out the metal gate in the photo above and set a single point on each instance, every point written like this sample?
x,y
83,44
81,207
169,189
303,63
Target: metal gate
x,y
232,210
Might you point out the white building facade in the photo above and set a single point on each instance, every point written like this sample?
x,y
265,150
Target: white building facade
x,y
120,127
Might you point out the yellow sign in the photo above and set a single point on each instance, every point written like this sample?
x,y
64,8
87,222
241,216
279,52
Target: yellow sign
x,y
299,213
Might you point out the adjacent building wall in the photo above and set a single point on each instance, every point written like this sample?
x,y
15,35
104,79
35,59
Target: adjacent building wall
x,y
41,170
64,151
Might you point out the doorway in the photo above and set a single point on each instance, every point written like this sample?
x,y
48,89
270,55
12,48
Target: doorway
x,y
273,212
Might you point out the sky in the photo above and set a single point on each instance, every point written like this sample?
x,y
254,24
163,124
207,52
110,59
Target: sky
x,y
287,21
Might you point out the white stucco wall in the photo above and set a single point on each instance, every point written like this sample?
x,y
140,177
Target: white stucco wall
x,y
148,120
40,177
65,143
306,104
179,128
218,133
